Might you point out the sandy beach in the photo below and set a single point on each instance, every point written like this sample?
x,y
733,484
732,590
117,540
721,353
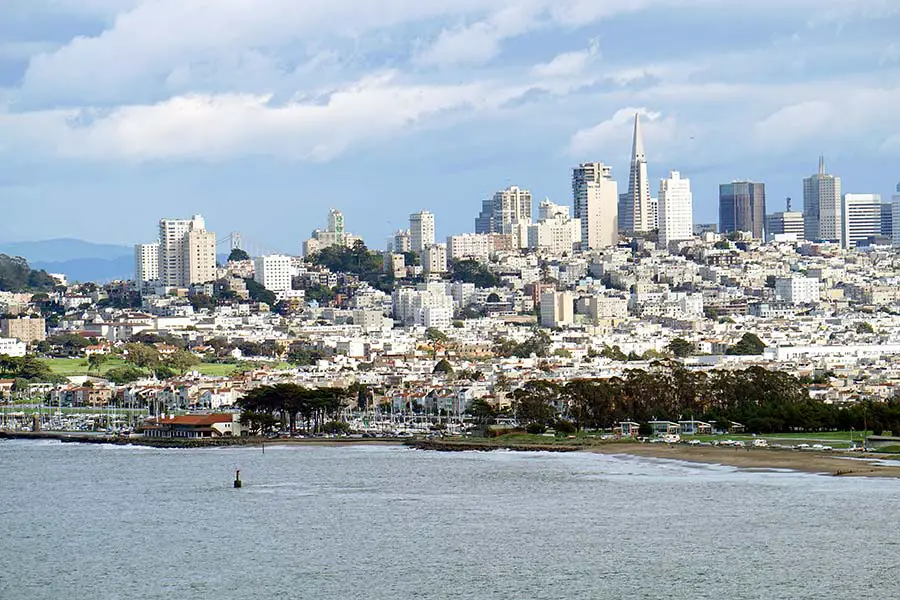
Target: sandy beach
x,y
836,464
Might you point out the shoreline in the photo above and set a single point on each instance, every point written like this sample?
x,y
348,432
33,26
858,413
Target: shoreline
x,y
836,464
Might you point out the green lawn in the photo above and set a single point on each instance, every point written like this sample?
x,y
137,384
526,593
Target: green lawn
x,y
70,367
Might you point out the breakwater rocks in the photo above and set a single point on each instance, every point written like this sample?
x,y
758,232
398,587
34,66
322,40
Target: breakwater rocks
x,y
487,446
122,440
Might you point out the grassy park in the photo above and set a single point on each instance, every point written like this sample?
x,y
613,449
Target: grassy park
x,y
72,367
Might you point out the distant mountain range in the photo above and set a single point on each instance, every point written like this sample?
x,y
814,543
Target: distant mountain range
x,y
77,259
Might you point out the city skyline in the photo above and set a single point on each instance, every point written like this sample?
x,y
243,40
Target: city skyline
x,y
471,98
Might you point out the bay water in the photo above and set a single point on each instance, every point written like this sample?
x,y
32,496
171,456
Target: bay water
x,y
377,522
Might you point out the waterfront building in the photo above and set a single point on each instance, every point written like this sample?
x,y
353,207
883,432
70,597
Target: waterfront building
x,y
421,230
676,205
595,197
146,262
273,272
187,252
742,207
861,218
634,205
822,206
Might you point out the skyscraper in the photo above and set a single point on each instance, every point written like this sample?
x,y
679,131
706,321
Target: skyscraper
x,y
676,205
595,195
187,252
421,230
742,207
822,206
634,205
861,218
895,205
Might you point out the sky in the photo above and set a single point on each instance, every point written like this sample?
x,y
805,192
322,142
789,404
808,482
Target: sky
x,y
263,114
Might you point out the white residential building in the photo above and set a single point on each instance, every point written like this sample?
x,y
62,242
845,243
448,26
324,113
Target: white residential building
x,y
434,259
400,243
421,230
470,245
596,202
555,232
12,347
557,309
187,252
785,226
861,215
409,304
797,289
504,211
273,272
146,262
676,205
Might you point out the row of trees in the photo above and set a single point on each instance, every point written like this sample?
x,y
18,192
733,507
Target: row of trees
x,y
285,404
764,401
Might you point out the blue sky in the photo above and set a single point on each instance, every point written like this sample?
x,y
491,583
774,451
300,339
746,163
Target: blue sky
x,y
262,114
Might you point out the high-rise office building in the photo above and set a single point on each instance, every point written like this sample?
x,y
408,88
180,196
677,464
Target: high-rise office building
x,y
676,206
421,230
595,195
786,225
895,218
742,207
822,206
634,205
887,219
146,262
861,218
187,252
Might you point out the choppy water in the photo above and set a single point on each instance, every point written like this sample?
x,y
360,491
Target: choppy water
x,y
104,522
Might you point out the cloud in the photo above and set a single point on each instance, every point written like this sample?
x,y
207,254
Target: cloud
x,y
214,127
607,138
568,64
479,42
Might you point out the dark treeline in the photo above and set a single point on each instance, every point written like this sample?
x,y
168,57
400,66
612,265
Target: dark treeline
x,y
284,405
763,401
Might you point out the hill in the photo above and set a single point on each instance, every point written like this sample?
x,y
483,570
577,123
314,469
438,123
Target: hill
x,y
76,259
17,276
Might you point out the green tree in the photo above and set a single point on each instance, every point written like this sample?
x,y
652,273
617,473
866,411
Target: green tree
x,y
95,362
749,344
140,355
535,402
680,347
237,255
864,327
258,293
472,271
124,375
181,361
443,366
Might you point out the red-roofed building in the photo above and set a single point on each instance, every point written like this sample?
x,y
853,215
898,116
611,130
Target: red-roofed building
x,y
195,426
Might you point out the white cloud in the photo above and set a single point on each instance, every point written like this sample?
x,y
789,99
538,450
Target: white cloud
x,y
568,64
607,138
205,127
